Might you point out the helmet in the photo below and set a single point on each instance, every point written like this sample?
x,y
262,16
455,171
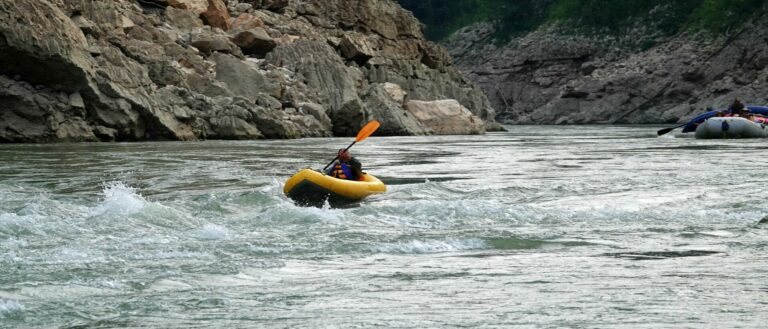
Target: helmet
x,y
344,155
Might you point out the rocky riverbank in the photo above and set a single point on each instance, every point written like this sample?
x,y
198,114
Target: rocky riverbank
x,y
131,70
549,77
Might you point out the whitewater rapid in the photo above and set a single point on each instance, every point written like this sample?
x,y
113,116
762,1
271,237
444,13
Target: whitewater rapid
x,y
585,226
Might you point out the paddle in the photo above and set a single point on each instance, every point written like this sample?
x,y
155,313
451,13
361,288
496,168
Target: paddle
x,y
366,131
666,130
701,117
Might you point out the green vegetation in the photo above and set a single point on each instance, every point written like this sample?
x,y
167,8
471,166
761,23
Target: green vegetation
x,y
616,15
722,15
444,17
516,17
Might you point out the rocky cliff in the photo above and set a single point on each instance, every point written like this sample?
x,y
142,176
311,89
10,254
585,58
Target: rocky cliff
x,y
128,70
550,77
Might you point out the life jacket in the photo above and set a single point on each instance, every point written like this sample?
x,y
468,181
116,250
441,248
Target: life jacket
x,y
342,171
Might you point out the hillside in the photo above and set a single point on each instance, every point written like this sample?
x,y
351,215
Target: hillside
x,y
565,61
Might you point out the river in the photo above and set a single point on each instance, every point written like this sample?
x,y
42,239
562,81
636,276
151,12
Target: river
x,y
539,226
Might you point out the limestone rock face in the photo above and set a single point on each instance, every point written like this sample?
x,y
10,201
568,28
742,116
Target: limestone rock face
x,y
326,78
130,70
49,49
550,78
244,78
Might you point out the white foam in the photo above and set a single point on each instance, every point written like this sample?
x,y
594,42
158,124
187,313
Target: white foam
x,y
119,199
14,243
430,246
9,308
264,250
180,255
9,223
111,284
213,232
69,255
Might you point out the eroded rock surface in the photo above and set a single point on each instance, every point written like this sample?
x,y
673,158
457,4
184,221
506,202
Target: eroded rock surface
x,y
550,78
125,70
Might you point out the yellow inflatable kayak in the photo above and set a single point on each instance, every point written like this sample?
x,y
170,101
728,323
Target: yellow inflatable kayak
x,y
311,188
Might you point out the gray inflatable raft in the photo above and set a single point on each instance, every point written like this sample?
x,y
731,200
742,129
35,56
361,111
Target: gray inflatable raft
x,y
730,127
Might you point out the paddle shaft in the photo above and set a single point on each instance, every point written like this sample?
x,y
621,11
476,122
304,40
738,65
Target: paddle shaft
x,y
666,130
337,156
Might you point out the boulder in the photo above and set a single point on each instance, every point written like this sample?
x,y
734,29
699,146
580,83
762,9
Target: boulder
x,y
275,5
196,6
395,92
217,15
84,24
243,7
184,20
255,42
209,42
445,117
246,22
356,47
395,120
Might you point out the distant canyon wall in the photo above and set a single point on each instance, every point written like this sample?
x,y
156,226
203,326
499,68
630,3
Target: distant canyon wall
x,y
547,77
132,70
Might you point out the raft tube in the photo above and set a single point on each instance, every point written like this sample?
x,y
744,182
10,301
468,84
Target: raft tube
x,y
730,127
312,188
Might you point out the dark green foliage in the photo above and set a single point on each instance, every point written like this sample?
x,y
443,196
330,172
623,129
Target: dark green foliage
x,y
722,15
512,17
607,16
516,17
443,17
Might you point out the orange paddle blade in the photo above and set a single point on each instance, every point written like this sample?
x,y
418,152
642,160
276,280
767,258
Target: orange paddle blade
x,y
367,130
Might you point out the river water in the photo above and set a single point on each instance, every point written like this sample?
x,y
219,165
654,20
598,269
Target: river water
x,y
541,227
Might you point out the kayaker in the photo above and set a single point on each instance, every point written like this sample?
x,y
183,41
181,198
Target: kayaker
x,y
347,167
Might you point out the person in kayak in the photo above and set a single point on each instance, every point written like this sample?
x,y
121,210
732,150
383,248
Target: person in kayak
x,y
347,167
